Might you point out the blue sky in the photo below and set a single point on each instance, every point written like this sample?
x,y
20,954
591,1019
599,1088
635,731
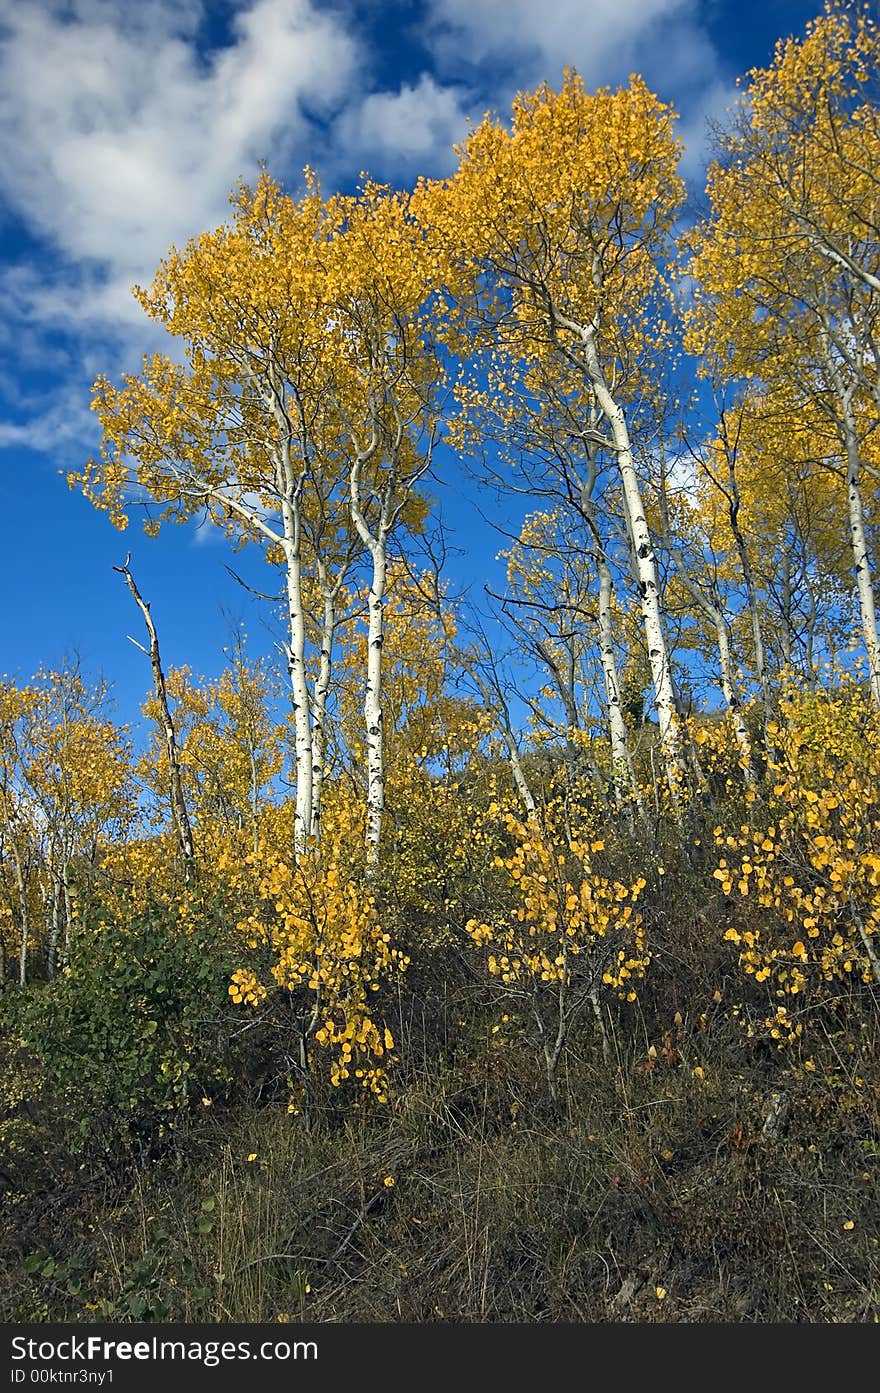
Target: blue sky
x,y
123,127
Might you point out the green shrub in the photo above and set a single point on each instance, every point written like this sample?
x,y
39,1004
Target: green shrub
x,y
137,1025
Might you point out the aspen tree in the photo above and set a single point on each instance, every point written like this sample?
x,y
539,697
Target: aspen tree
x,y
66,790
555,232
241,434
389,377
299,413
787,264
19,827
702,585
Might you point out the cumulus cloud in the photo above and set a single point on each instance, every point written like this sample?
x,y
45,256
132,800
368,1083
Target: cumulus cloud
x,y
528,42
598,37
124,125
707,106
119,135
54,423
413,129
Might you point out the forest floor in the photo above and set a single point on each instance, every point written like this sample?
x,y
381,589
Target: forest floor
x,y
692,1179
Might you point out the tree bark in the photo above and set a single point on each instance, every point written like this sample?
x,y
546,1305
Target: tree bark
x,y
54,935
179,813
856,513
645,566
322,688
622,773
376,543
296,664
373,714
731,494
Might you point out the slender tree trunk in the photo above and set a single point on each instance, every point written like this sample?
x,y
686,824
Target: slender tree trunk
x,y
645,566
742,551
373,715
715,613
520,781
376,543
290,477
179,812
731,696
858,540
566,689
497,703
862,566
254,798
607,1052
809,624
319,704
868,945
24,917
623,775
296,661
47,897
786,633
68,906
54,935
624,783
551,1048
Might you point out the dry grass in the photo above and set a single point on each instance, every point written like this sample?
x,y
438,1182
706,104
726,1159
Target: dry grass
x,y
655,1199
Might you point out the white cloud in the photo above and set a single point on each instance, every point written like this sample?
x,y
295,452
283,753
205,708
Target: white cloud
x,y
121,133
707,106
598,37
117,138
605,40
55,423
413,129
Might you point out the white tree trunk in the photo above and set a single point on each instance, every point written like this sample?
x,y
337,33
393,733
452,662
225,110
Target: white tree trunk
x,y
254,798
858,540
622,772
296,661
373,702
862,565
728,687
376,543
855,509
645,565
520,781
319,703
725,662
54,935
